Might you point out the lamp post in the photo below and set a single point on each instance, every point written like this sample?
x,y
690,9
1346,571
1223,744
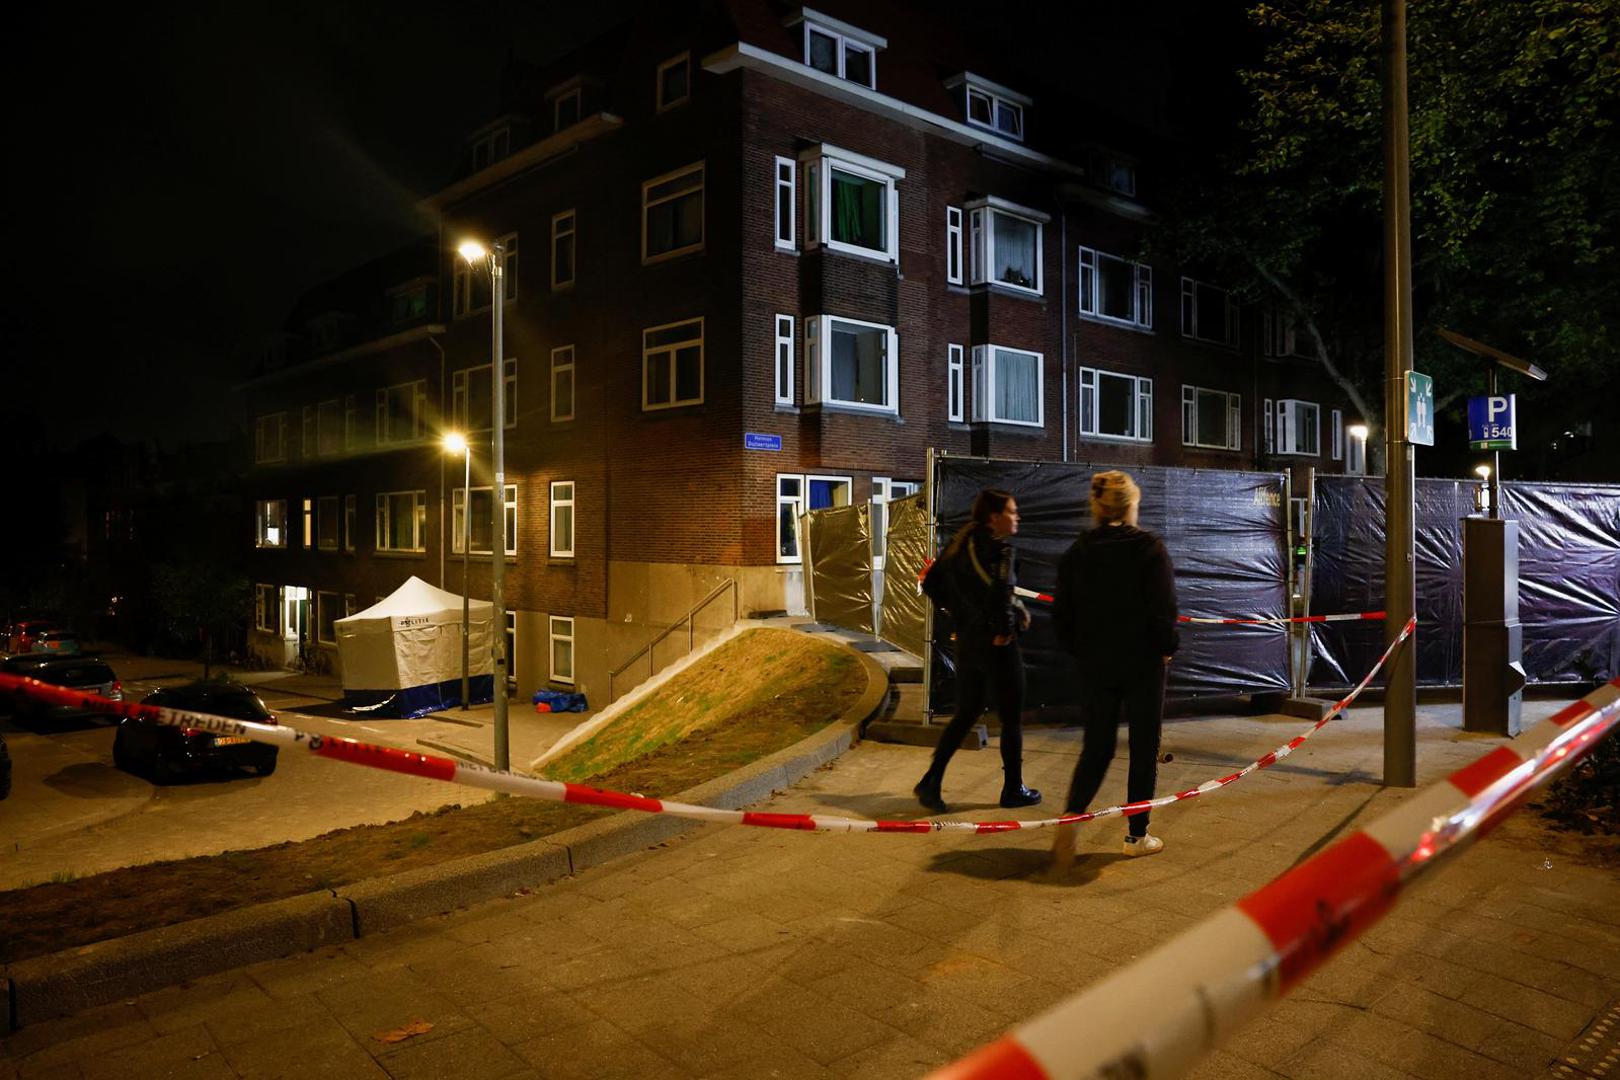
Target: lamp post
x,y
493,257
456,443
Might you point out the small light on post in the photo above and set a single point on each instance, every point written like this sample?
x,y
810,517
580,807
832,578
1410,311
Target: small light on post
x,y
472,251
1358,449
1482,493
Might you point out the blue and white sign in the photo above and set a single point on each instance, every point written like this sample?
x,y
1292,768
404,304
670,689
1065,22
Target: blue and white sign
x,y
1419,408
753,440
1491,422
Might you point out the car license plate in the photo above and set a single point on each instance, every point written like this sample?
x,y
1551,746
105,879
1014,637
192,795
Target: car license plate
x,y
230,740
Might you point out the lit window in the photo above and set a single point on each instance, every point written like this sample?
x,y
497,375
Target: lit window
x,y
851,203
1114,406
1116,289
1006,245
674,81
1212,419
851,363
270,523
561,634
562,249
672,365
562,519
672,214
309,524
562,383
784,360
1008,386
1208,313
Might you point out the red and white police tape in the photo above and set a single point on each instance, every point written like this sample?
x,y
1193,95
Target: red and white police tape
x,y
480,776
1156,1018
1256,620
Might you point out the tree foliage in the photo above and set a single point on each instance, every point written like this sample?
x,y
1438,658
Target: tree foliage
x,y
201,602
1515,193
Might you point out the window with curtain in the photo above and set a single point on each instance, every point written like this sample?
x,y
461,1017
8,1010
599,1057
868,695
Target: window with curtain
x,y
1006,246
858,367
858,211
851,202
1007,386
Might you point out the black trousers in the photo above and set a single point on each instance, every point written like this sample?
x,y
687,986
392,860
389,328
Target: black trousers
x,y
983,668
1140,696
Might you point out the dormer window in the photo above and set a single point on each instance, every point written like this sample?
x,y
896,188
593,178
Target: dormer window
x,y
566,109
1114,173
839,49
408,302
991,106
490,148
324,331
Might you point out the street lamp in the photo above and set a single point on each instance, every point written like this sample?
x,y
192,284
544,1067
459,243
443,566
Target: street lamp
x,y
494,258
456,443
1359,433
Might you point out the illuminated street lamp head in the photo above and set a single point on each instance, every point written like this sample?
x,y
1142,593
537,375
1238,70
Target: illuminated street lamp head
x,y
1483,471
1358,431
455,442
472,251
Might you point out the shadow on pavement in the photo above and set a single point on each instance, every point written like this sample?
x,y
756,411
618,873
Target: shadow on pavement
x,y
93,780
1025,864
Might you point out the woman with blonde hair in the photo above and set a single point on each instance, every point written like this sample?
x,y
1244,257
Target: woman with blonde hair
x,y
1115,612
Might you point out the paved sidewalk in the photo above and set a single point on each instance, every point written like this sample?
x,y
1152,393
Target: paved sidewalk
x,y
753,953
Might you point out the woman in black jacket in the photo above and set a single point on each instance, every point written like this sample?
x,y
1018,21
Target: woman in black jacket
x,y
978,564
1115,612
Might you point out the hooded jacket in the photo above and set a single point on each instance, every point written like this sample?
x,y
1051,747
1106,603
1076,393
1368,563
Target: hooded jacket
x,y
1115,605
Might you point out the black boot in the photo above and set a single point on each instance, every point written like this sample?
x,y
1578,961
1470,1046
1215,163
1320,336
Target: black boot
x,y
1014,797
927,792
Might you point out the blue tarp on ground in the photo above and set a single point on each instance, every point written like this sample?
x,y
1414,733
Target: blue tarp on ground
x,y
559,701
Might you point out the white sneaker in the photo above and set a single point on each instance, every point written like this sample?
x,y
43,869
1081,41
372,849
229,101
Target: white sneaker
x,y
1147,845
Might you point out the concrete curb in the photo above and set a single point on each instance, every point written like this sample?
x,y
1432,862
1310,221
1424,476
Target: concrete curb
x,y
75,979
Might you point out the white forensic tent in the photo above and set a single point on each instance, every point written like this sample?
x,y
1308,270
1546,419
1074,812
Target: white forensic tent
x,y
402,656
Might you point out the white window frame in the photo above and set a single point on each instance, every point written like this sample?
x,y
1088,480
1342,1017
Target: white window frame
x,y
351,509
984,382
261,526
786,230
270,438
955,384
982,216
884,491
461,400
818,365
699,168
326,506
266,599
418,520
322,599
418,413
1091,290
798,503
1279,333
560,628
844,37
661,105
458,523
1288,430
999,100
563,227
1268,426
563,494
562,363
1141,411
1189,313
953,245
1189,417
783,359
647,352
461,278
1336,434
818,163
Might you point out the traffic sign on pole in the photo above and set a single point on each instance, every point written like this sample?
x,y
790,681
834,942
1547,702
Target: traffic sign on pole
x,y
1419,409
1492,422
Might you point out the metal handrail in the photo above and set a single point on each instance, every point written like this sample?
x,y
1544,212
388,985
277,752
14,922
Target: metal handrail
x,y
690,619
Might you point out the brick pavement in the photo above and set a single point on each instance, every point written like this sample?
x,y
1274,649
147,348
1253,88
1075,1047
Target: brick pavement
x,y
753,953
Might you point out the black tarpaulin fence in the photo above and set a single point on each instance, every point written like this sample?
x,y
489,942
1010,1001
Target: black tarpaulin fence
x,y
1225,531
1569,578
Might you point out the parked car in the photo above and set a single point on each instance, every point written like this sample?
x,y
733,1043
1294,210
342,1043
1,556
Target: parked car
x,y
21,635
166,753
84,673
56,643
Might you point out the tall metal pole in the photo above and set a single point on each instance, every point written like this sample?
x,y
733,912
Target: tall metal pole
x,y
1495,482
466,561
497,502
1400,696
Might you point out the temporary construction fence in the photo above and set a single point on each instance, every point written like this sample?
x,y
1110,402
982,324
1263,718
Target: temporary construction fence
x,y
1227,533
1569,577
904,609
837,551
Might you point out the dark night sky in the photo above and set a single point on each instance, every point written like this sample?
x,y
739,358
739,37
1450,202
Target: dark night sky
x,y
184,175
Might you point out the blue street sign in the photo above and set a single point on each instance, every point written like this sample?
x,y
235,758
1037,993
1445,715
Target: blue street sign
x,y
753,440
1419,409
1492,424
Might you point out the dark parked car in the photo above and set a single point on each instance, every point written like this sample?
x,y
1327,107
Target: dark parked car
x,y
84,673
166,753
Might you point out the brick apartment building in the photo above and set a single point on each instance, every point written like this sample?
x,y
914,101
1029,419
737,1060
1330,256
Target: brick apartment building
x,y
840,228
